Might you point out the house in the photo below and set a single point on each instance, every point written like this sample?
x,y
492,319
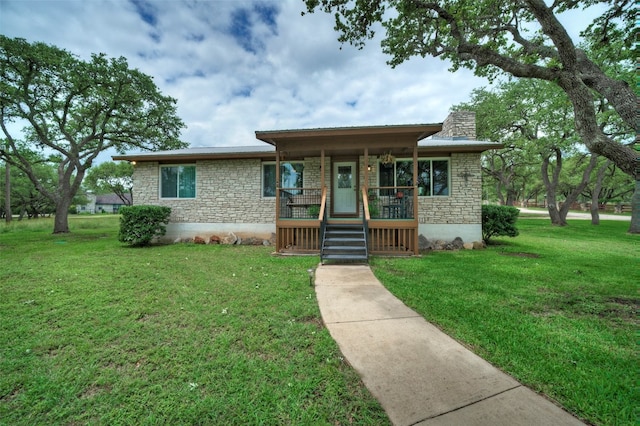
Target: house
x,y
104,203
394,182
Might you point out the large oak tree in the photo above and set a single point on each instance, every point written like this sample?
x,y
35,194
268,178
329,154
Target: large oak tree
x,y
520,38
56,105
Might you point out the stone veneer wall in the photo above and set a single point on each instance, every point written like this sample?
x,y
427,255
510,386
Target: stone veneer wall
x,y
464,203
462,206
227,191
459,124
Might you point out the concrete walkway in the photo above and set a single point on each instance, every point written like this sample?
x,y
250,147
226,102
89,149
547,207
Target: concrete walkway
x,y
420,375
578,215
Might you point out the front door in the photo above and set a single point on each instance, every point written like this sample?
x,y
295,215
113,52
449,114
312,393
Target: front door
x,y
345,188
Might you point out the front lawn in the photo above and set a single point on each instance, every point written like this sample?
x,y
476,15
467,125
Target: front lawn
x,y
94,332
557,308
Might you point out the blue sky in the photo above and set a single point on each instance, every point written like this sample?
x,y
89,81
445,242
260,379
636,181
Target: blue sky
x,y
238,66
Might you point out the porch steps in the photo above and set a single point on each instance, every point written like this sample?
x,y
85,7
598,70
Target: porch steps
x,y
344,243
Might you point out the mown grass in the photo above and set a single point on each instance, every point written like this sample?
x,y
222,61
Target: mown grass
x,y
94,332
557,308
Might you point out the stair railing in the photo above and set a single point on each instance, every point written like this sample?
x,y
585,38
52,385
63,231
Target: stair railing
x,y
322,216
366,217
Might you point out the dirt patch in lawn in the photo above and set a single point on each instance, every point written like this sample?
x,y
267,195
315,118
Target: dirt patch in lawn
x,y
521,254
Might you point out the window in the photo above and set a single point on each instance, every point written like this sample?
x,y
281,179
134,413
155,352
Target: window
x,y
291,176
177,181
433,176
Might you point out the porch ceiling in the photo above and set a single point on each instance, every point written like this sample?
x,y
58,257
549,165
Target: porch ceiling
x,y
347,141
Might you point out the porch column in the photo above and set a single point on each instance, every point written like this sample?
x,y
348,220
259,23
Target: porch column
x,y
366,170
415,182
278,247
322,168
416,240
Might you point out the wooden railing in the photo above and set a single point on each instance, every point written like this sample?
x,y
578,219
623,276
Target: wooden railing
x,y
389,220
299,223
391,202
300,203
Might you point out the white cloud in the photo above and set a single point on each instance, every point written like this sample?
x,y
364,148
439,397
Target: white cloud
x,y
239,66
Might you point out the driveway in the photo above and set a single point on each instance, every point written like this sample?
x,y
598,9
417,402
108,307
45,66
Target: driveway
x,y
578,215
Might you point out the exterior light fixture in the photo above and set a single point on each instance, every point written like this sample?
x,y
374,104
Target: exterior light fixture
x,y
312,273
133,163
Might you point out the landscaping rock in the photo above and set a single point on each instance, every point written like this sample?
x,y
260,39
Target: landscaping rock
x,y
457,243
468,246
479,245
231,238
199,240
214,239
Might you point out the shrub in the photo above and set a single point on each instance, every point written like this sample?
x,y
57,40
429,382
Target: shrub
x,y
140,224
499,221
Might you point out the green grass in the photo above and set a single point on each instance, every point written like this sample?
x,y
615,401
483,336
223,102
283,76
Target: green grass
x,y
95,332
557,308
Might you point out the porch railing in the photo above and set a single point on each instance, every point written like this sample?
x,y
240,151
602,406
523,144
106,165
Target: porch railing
x,y
300,203
391,202
387,216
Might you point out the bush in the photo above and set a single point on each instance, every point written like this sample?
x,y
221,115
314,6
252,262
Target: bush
x,y
140,224
499,221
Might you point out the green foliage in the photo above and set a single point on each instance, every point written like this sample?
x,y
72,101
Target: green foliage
x,y
517,39
141,224
313,211
110,177
499,221
374,210
75,109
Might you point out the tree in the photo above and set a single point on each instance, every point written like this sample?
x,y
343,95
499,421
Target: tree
x,y
522,39
110,177
71,110
25,198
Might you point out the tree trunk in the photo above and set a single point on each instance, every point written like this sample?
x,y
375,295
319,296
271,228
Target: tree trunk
x,y
61,219
551,185
595,212
595,197
7,192
635,208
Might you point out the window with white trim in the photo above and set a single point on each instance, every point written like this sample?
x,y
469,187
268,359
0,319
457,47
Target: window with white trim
x,y
178,181
291,178
433,176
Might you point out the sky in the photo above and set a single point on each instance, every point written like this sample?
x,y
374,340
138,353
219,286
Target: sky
x,y
237,66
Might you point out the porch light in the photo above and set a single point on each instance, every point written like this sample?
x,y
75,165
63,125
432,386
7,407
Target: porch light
x,y
387,158
311,273
133,163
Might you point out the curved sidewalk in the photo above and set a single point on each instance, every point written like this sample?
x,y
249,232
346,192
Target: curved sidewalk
x,y
420,375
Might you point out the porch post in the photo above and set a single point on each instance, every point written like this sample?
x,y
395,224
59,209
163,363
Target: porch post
x,y
322,168
415,198
366,169
277,200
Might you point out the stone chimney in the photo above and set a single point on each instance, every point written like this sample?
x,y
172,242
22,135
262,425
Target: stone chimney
x,y
459,124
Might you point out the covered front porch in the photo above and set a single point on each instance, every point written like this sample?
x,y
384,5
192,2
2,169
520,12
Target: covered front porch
x,y
340,186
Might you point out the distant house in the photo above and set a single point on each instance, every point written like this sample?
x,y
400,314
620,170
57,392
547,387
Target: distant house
x,y
400,181
105,203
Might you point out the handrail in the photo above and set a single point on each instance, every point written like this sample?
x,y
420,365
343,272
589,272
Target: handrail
x,y
365,204
366,217
323,204
323,219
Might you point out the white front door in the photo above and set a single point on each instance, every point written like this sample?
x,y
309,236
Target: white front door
x,y
345,186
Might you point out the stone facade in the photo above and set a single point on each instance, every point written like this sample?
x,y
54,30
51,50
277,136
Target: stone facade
x,y
228,198
460,124
463,205
229,194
